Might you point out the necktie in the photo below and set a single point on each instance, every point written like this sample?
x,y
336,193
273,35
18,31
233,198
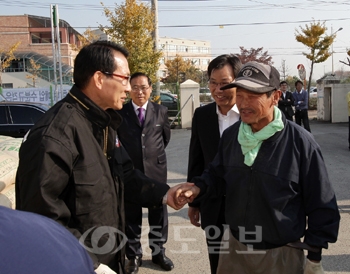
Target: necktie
x,y
141,116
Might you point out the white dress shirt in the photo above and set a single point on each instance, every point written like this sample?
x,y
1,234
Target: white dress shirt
x,y
227,120
136,108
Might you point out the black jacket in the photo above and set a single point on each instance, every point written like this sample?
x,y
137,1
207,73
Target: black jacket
x,y
285,104
146,145
286,188
205,138
72,169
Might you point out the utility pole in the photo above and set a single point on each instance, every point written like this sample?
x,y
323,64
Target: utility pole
x,y
333,34
56,48
53,25
155,40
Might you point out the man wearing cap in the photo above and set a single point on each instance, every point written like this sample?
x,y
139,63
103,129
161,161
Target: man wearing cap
x,y
276,185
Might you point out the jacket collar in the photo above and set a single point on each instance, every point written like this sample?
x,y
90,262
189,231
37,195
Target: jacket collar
x,y
92,111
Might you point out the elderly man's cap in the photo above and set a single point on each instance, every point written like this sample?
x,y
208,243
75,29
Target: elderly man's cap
x,y
256,77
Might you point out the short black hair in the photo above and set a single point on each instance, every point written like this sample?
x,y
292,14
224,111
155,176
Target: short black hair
x,y
283,82
138,74
295,84
223,60
97,56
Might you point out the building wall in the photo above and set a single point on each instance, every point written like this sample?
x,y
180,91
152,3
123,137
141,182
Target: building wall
x,y
18,28
197,51
331,102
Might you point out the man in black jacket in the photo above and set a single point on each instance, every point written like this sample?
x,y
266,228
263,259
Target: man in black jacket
x,y
286,101
208,124
276,185
72,166
145,133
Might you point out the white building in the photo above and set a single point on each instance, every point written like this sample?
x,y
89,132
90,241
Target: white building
x,y
197,51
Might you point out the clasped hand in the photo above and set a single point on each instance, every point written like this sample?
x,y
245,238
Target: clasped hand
x,y
182,194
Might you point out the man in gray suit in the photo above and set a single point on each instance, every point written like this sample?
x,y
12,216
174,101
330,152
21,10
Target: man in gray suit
x,y
145,132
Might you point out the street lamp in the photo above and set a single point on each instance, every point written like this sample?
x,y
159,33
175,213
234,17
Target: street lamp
x,y
332,48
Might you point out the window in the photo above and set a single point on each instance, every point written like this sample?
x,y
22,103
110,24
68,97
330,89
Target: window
x,y
7,85
164,97
3,116
42,37
25,114
195,61
181,48
205,50
205,62
172,48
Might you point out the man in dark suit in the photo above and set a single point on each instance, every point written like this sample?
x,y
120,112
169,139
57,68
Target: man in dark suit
x,y
145,132
208,124
286,101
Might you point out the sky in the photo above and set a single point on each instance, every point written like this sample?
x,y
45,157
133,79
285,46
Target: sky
x,y
227,24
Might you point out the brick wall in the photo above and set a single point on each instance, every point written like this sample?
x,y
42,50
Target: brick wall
x,y
14,28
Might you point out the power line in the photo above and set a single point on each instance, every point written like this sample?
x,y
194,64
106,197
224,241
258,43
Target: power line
x,y
222,25
251,24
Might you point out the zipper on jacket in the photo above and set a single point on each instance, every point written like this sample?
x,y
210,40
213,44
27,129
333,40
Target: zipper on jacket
x,y
105,140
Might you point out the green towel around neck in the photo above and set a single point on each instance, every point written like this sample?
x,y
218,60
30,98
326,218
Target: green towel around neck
x,y
251,142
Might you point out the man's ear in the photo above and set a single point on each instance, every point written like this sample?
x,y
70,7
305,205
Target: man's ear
x,y
276,96
98,79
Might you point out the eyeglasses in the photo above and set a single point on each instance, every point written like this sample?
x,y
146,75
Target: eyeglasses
x,y
213,84
125,80
137,88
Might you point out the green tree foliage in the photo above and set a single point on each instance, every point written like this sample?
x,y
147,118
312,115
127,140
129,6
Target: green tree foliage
x,y
6,57
314,38
248,55
132,26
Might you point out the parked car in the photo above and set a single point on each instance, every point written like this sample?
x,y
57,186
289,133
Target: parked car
x,y
313,93
169,92
16,118
168,100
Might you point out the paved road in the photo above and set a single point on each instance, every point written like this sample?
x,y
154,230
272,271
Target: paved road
x,y
186,245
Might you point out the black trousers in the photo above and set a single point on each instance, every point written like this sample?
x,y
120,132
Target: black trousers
x,y
214,235
302,116
157,236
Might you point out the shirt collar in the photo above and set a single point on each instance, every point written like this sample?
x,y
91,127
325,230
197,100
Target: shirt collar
x,y
233,109
136,107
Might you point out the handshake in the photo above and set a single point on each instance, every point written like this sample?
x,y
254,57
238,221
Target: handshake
x,y
181,194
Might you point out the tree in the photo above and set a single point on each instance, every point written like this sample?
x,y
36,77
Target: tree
x,y
6,57
284,70
348,63
252,54
291,82
34,70
86,38
314,38
132,27
179,70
